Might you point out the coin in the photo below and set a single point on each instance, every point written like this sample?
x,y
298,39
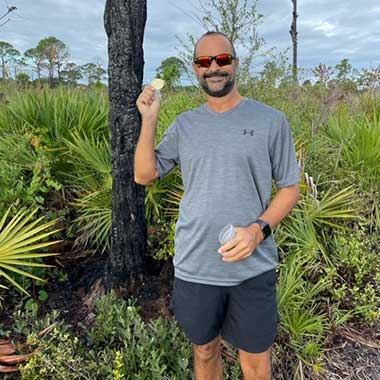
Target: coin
x,y
158,83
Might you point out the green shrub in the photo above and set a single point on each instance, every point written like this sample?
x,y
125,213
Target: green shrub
x,y
356,271
58,356
119,345
59,138
165,233
156,350
27,172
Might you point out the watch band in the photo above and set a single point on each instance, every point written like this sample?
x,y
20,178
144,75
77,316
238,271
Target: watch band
x,y
265,227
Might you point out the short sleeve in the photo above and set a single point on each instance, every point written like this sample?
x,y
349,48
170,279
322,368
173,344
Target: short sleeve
x,y
285,168
167,151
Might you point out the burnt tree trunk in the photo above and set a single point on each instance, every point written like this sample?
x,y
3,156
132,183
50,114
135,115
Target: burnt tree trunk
x,y
124,22
293,32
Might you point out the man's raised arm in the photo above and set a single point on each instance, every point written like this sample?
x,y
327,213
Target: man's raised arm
x,y
145,171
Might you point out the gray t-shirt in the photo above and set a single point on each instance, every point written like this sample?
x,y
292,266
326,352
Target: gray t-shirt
x,y
227,160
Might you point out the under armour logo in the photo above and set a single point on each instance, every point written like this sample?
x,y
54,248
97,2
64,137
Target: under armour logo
x,y
250,131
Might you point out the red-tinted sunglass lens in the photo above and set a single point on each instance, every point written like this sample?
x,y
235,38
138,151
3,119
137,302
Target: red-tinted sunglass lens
x,y
223,59
204,61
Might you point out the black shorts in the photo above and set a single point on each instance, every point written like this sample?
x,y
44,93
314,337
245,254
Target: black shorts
x,y
245,315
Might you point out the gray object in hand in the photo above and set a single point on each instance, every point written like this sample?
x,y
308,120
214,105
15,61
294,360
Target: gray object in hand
x,y
226,233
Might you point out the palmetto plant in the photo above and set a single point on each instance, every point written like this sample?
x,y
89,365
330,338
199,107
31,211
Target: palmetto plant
x,y
331,207
154,198
19,245
56,121
87,160
55,113
93,224
303,278
304,228
301,319
88,176
357,142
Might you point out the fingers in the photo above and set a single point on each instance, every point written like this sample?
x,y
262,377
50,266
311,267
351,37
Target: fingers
x,y
240,251
231,244
232,252
148,90
237,256
147,96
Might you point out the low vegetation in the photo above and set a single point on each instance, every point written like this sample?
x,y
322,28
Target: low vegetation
x,y
55,154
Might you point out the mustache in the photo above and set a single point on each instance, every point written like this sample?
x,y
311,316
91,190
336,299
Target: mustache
x,y
215,74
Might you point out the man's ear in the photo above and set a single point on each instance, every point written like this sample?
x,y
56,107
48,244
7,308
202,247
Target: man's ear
x,y
237,64
194,66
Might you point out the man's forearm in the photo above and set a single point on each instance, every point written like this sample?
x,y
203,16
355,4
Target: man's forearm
x,y
145,159
280,206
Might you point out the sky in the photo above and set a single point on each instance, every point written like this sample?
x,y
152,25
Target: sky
x,y
328,30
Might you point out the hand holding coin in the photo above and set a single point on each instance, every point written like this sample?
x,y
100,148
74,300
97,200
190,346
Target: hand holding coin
x,y
158,84
148,102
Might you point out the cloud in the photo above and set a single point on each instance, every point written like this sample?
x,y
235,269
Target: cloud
x,y
326,34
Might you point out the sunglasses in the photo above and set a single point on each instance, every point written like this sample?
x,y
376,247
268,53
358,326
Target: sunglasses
x,y
220,59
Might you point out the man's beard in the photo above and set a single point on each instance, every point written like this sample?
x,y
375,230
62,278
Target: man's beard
x,y
226,89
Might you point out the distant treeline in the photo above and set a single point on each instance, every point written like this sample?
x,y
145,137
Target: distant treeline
x,y
47,63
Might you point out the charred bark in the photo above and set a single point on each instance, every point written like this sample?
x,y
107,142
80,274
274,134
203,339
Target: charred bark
x,y
294,34
124,22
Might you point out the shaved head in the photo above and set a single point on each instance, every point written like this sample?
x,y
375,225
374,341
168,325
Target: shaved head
x,y
213,33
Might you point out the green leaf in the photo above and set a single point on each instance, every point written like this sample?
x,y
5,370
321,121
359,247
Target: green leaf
x,y
43,295
16,240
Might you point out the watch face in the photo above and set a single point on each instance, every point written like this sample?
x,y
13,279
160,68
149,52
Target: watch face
x,y
267,231
265,227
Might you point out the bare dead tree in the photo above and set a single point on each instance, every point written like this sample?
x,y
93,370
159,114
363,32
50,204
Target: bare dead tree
x,y
10,10
323,73
294,34
124,22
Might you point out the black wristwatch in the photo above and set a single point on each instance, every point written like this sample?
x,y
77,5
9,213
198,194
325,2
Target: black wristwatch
x,y
265,227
